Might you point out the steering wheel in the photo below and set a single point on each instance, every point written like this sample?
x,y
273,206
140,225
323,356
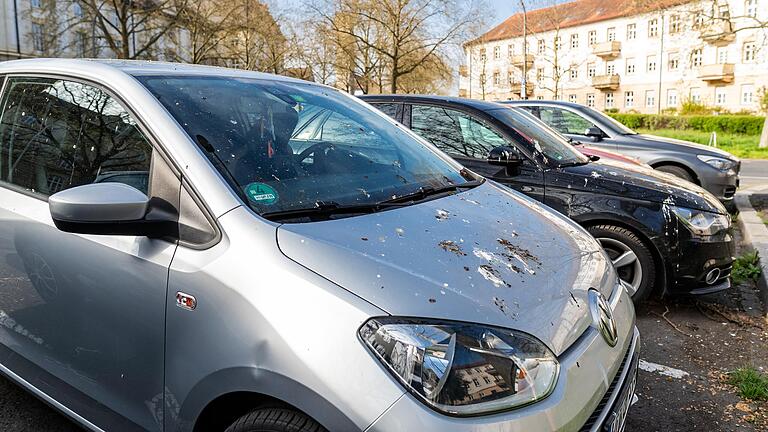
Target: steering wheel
x,y
314,149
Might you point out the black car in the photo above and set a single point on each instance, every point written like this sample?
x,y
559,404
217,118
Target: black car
x,y
661,233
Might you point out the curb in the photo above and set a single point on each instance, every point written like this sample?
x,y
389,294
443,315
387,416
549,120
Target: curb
x,y
755,234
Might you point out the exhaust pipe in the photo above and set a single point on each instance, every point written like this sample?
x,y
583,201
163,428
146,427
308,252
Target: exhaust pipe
x,y
712,276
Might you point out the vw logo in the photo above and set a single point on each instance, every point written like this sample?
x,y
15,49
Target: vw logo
x,y
602,317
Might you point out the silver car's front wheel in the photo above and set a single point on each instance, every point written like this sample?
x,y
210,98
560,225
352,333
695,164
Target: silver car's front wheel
x,y
630,256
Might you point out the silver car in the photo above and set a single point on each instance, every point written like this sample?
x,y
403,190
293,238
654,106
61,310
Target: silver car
x,y
713,169
177,253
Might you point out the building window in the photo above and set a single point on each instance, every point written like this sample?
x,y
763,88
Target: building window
x,y
542,46
672,98
650,63
81,43
675,25
510,51
630,66
574,40
496,53
540,74
572,98
609,100
650,98
496,78
722,55
696,95
698,20
35,3
653,27
591,100
629,99
631,31
611,34
673,61
510,78
610,68
38,42
574,73
719,96
748,52
539,97
592,36
483,56
590,70
750,8
747,94
696,57
558,43
723,12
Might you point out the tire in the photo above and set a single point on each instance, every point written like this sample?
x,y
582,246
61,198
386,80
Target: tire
x,y
639,272
677,172
275,420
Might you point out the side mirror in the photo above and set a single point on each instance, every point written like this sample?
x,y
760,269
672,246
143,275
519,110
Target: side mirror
x,y
507,157
106,209
595,133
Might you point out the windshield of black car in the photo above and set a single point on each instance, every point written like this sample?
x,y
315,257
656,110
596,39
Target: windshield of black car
x,y
287,145
616,125
552,146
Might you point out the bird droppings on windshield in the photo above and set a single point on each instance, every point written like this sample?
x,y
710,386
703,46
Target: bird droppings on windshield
x,y
451,246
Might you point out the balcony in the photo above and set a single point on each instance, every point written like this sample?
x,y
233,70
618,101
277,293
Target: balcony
x,y
716,73
520,61
606,82
515,88
463,71
463,93
607,50
718,33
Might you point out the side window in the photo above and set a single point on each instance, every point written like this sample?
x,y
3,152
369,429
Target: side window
x,y
455,132
565,121
389,109
57,134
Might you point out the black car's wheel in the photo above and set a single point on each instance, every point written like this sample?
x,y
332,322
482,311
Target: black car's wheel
x,y
275,420
677,172
630,256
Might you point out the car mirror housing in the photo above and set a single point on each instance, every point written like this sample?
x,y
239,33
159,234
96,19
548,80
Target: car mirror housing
x,y
595,133
107,209
507,157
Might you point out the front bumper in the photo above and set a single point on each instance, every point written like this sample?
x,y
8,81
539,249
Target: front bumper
x,y
702,266
590,373
722,185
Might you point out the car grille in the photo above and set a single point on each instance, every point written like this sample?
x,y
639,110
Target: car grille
x,y
592,420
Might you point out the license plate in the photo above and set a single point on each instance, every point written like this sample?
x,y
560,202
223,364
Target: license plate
x,y
618,418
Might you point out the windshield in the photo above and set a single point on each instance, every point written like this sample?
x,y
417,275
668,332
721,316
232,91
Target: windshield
x,y
287,146
617,126
552,146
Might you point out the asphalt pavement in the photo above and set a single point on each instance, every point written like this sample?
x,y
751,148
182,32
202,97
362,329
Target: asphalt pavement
x,y
754,173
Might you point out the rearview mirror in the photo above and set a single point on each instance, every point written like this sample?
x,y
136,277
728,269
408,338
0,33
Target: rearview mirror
x,y
106,209
595,133
506,156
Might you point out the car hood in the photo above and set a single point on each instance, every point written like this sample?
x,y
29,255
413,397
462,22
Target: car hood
x,y
486,255
690,147
637,182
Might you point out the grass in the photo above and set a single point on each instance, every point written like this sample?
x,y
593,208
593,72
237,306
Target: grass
x,y
741,146
752,384
746,267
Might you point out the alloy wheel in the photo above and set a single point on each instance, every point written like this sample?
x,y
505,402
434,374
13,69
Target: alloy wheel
x,y
625,261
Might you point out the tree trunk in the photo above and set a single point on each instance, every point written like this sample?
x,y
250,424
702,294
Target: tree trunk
x,y
764,135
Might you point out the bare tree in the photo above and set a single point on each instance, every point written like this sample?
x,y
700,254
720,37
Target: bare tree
x,y
132,29
208,25
554,55
56,29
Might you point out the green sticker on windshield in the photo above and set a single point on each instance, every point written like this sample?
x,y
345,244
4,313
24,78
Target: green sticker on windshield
x,y
261,193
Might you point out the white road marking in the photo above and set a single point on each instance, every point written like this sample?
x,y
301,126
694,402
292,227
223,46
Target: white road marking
x,y
662,370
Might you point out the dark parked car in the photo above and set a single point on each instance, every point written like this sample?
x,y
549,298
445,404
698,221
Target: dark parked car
x,y
658,231
713,169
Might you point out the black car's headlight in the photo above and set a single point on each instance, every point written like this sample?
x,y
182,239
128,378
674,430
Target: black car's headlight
x,y
718,163
463,369
700,222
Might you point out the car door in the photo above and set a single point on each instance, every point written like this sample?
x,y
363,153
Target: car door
x,y
469,138
83,316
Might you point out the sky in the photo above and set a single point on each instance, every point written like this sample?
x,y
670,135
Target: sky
x,y
502,10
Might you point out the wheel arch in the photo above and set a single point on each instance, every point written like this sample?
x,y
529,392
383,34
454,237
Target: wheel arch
x,y
689,170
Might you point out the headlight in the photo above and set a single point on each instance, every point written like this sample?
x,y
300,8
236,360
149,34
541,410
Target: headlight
x,y
702,223
718,163
463,369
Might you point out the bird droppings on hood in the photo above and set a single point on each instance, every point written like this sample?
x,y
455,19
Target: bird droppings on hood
x,y
400,232
431,300
574,299
523,255
467,269
364,238
451,246
441,214
502,305
471,201
595,174
492,275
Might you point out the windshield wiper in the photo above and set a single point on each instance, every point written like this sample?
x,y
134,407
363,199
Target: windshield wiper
x,y
426,191
325,209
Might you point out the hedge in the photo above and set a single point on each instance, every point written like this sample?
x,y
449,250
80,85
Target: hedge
x,y
735,124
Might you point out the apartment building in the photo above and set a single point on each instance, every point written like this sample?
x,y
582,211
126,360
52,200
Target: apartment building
x,y
631,55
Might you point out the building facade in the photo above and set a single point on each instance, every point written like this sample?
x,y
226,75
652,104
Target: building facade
x,y
630,55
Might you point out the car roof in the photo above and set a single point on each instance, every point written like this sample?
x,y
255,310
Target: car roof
x,y
542,103
470,103
129,67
